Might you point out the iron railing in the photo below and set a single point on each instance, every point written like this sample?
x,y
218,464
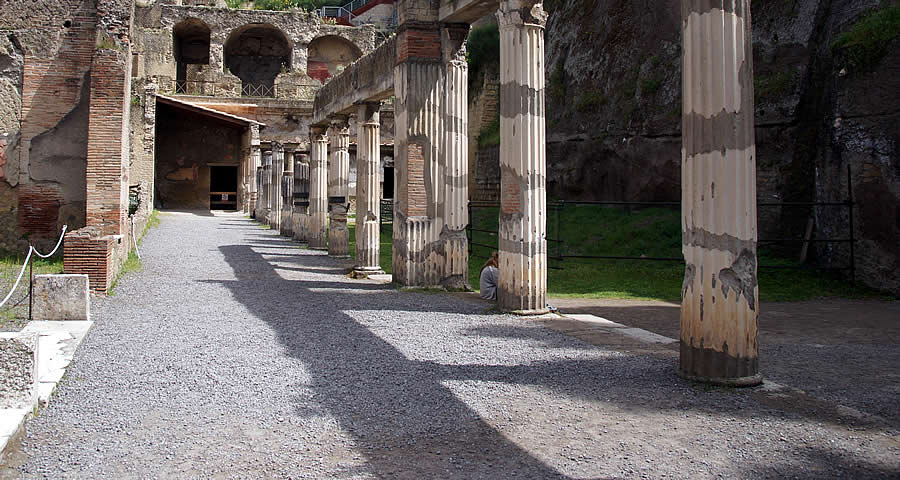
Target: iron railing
x,y
257,90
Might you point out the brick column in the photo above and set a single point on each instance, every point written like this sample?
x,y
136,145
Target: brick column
x,y
418,134
455,252
318,189
301,199
338,188
368,190
523,199
720,306
287,192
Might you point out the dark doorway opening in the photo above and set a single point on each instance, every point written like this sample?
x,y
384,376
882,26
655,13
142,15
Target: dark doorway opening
x,y
388,183
223,181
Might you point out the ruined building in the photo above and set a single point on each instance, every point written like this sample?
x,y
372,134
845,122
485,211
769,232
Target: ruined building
x,y
111,103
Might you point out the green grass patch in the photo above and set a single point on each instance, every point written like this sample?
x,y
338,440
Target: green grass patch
x,y
386,246
132,264
869,40
14,315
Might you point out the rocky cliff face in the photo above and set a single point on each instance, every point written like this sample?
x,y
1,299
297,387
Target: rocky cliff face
x,y
614,112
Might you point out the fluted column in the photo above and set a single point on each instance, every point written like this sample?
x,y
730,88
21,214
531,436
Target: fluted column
x,y
338,188
720,306
266,188
523,165
277,174
254,178
287,192
455,271
318,189
301,199
368,190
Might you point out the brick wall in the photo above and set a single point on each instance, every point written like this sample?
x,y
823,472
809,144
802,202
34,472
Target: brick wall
x,y
414,43
85,252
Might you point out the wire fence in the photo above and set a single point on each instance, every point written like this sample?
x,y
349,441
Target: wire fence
x,y
16,281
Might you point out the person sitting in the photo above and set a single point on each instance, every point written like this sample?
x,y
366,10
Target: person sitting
x,y
490,276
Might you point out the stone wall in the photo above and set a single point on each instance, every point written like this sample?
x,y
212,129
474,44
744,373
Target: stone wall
x,y
614,109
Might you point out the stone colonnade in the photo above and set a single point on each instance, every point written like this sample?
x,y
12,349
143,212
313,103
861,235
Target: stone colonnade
x,y
287,191
301,199
719,308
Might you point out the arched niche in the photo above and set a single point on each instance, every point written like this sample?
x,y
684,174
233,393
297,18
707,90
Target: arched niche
x,y
328,55
191,47
256,54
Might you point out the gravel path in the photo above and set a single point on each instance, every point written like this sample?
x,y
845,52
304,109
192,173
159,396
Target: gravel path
x,y
236,354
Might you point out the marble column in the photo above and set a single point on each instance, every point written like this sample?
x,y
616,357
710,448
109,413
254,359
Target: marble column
x,y
338,188
368,190
267,186
318,189
287,192
455,159
523,199
254,178
301,199
277,174
720,302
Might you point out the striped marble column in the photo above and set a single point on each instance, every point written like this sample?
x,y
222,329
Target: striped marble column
x,y
287,192
368,190
455,271
523,198
720,306
338,189
277,174
318,189
301,199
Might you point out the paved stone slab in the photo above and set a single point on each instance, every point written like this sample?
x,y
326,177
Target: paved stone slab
x,y
18,365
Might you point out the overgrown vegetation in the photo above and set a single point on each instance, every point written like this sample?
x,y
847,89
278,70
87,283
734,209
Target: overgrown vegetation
x,y
482,51
771,87
556,84
590,101
489,136
870,39
279,5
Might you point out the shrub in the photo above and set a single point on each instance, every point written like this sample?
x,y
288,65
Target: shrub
x,y
868,41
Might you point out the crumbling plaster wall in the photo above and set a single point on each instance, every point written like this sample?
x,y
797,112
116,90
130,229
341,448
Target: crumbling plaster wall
x,y
45,55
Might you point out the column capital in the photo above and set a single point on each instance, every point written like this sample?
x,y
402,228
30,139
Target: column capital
x,y
519,13
318,134
368,113
339,122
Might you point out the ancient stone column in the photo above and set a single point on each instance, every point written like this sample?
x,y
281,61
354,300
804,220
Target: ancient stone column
x,y
418,135
301,199
368,190
523,231
318,189
254,177
287,192
266,187
277,174
455,255
338,188
720,306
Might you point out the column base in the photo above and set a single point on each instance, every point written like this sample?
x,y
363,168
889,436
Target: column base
x,y
529,313
750,381
338,256
364,272
318,248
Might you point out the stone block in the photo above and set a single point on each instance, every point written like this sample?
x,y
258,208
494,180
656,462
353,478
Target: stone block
x,y
61,297
18,370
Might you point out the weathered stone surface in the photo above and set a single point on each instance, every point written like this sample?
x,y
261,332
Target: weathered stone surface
x,y
18,370
61,297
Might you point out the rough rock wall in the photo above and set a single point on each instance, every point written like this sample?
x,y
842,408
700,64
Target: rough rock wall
x,y
614,110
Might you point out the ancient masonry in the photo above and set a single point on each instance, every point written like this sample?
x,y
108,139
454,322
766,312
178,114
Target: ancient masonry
x,y
192,106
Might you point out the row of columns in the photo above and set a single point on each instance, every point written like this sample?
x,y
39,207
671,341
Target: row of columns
x,y
720,303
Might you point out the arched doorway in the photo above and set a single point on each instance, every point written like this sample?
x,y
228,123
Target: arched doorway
x,y
191,47
328,55
257,54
